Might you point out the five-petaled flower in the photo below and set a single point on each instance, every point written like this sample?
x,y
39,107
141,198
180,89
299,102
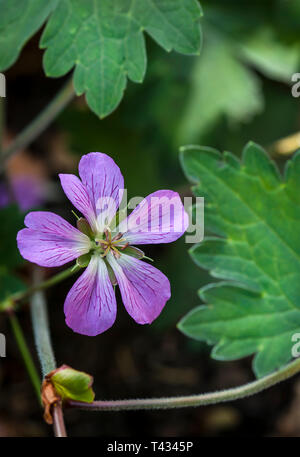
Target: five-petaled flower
x,y
104,242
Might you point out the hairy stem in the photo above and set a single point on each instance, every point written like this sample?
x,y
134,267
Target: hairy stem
x,y
19,336
39,124
20,296
41,331
194,400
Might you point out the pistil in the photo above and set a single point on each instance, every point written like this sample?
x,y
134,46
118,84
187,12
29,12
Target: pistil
x,y
112,244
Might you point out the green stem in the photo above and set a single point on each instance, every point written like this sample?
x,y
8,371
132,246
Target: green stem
x,y
18,333
20,296
39,124
194,400
41,332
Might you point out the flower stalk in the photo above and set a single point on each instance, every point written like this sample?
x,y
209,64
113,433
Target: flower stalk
x,y
39,318
194,400
21,296
41,331
58,421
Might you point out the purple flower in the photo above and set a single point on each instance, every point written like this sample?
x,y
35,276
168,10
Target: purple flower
x,y
105,242
26,190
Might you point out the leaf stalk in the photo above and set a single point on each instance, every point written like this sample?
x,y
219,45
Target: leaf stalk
x,y
221,396
41,122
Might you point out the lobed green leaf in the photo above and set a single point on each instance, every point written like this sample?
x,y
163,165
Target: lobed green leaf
x,y
18,22
256,214
103,40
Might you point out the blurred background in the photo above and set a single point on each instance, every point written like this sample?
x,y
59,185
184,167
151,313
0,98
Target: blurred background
x,y
239,89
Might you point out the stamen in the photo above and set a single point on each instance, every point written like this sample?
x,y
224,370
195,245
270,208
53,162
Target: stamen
x,y
105,252
112,244
118,241
117,237
107,233
115,252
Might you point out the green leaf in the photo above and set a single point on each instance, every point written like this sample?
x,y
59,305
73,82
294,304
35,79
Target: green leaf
x,y
221,85
9,284
255,213
11,221
273,58
18,22
105,42
72,384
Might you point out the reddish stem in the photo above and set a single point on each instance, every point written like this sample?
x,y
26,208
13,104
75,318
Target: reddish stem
x,y
58,421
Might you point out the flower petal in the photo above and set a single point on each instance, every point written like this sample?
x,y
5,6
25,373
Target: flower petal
x,y
104,184
78,195
159,218
50,241
90,307
144,289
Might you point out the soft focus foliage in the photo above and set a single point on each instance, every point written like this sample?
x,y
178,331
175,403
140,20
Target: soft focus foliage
x,y
242,42
221,85
12,221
